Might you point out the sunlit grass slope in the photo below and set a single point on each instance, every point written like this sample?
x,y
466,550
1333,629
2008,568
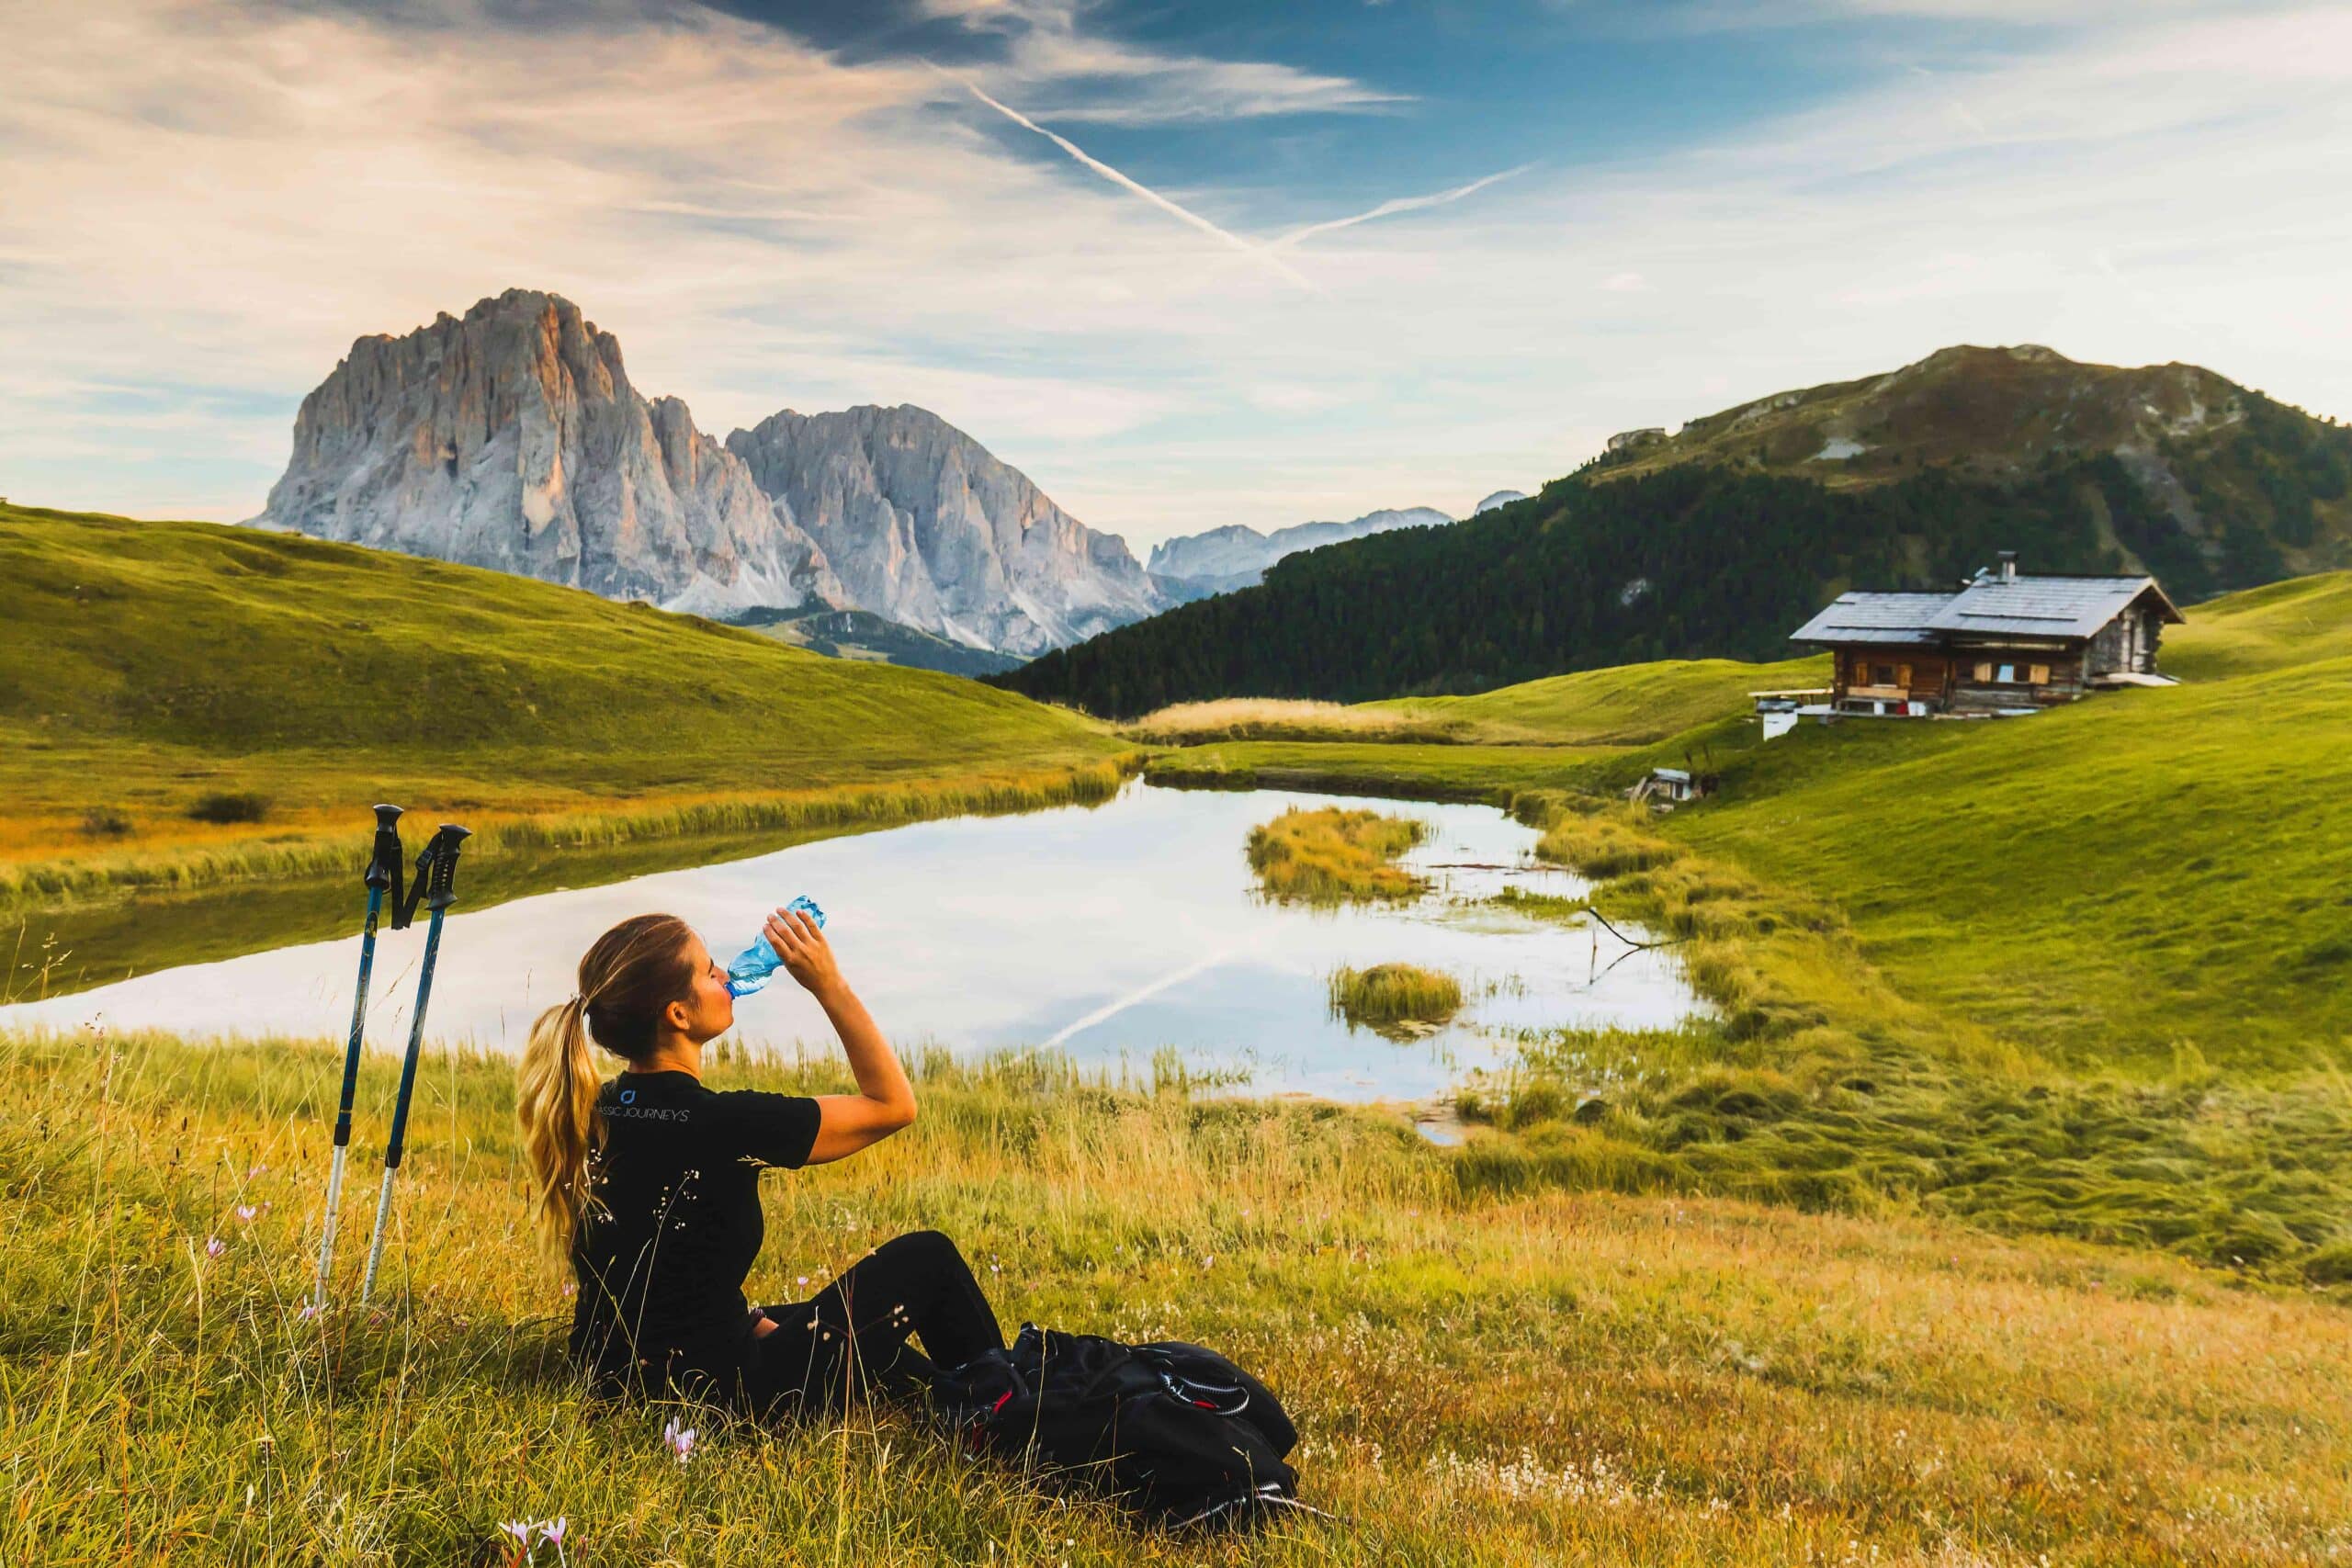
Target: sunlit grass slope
x,y
2113,881
1629,705
1537,1378
146,666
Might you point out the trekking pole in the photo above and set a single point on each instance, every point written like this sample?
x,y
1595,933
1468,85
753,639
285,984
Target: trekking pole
x,y
383,873
438,866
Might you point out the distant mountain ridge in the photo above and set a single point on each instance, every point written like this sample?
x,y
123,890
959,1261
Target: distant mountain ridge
x,y
512,438
1234,556
1719,540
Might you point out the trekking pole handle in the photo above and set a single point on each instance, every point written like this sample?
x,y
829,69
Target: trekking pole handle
x,y
384,860
447,843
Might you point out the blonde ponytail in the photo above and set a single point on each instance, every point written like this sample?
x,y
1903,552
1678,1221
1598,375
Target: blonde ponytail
x,y
626,977
556,1103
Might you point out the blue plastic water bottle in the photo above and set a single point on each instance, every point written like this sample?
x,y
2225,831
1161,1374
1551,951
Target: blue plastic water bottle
x,y
757,964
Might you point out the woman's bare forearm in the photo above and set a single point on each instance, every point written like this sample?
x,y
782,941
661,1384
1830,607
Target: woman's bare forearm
x,y
871,1061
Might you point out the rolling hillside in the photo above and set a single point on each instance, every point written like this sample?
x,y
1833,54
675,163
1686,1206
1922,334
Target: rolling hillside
x,y
1716,541
2148,873
183,704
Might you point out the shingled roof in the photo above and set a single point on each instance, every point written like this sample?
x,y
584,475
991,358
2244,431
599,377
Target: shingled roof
x,y
1875,618
1989,605
2045,606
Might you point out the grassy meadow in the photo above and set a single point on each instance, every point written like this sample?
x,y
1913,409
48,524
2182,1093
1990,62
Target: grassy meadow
x,y
1998,1213
1482,1373
185,707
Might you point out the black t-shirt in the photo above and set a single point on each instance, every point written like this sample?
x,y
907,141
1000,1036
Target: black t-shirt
x,y
674,1222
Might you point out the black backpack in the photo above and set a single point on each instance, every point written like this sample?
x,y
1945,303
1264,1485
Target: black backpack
x,y
1178,1433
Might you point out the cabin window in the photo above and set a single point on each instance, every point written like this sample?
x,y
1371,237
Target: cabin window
x,y
1882,674
1983,672
2040,674
1903,676
2008,675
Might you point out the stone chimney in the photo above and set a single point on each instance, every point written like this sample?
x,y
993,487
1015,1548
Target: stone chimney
x,y
2008,566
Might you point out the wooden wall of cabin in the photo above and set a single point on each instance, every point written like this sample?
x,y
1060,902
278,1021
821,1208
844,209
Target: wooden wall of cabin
x,y
2042,677
2126,643
1894,674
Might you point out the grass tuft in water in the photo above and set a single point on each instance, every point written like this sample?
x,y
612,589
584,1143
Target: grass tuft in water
x,y
1388,997
1331,855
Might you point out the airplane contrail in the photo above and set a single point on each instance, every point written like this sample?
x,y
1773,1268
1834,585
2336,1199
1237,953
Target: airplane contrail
x,y
1257,253
1397,204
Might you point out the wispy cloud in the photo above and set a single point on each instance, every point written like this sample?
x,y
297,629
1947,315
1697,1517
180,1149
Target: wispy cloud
x,y
1070,73
213,201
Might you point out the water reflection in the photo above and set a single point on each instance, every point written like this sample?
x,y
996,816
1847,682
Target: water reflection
x,y
1106,932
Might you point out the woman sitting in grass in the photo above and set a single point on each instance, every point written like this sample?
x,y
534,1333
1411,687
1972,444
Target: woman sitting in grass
x,y
649,1186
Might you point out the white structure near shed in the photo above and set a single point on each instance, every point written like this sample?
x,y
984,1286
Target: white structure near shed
x,y
1666,788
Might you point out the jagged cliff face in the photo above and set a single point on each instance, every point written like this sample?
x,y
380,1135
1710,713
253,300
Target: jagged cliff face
x,y
513,439
925,527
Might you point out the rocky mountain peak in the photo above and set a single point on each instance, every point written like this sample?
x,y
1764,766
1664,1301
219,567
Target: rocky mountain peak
x,y
927,527
511,437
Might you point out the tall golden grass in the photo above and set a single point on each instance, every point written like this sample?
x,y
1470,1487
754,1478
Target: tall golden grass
x,y
56,884
1281,718
1544,1378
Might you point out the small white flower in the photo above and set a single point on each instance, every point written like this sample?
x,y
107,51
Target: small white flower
x,y
246,1211
519,1528
309,1310
214,1246
804,1278
680,1439
551,1531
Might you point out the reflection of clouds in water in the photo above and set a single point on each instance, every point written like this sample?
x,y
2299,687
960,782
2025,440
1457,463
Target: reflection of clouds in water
x,y
1113,931
1143,994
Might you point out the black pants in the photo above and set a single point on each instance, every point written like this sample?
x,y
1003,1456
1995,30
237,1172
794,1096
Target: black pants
x,y
852,1338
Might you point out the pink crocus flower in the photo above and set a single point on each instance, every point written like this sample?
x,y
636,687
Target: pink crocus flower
x,y
680,1439
214,1246
246,1211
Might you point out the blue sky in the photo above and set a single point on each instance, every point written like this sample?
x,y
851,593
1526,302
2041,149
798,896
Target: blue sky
x,y
1185,265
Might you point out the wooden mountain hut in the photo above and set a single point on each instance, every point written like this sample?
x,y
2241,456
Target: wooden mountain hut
x,y
2003,643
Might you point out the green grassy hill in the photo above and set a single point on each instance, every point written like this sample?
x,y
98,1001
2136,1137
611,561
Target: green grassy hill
x,y
1629,705
2115,881
182,703
861,634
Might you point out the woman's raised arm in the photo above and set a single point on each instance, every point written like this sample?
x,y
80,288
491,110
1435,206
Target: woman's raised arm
x,y
885,1100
